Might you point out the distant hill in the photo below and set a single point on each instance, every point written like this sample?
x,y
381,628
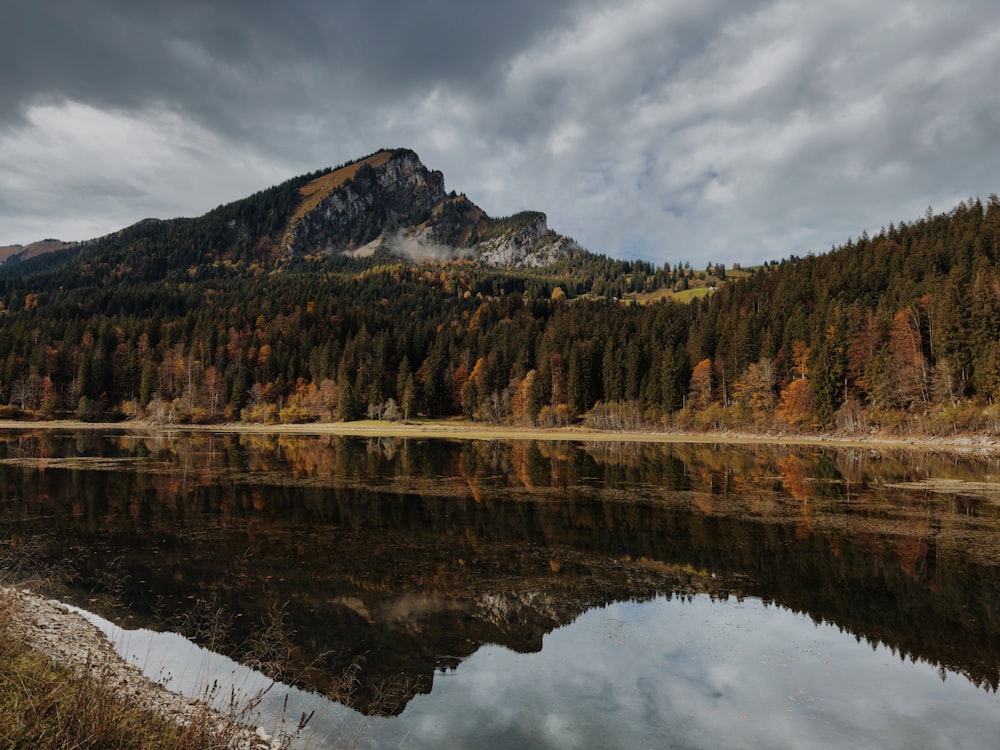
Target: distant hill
x,y
17,253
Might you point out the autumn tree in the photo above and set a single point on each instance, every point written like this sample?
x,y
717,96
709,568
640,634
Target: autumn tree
x,y
700,393
862,350
539,390
475,393
909,368
754,389
801,356
522,402
795,405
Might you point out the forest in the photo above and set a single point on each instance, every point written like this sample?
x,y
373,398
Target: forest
x,y
206,320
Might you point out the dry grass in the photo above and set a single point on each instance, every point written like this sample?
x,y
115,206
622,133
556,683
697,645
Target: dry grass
x,y
44,705
646,298
458,429
102,703
63,686
690,294
318,190
315,191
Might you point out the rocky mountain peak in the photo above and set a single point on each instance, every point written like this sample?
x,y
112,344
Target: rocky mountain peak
x,y
352,206
532,245
390,201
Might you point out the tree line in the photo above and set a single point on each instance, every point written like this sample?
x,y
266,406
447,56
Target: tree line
x,y
896,331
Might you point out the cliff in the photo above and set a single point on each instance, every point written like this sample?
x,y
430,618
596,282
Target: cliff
x,y
390,201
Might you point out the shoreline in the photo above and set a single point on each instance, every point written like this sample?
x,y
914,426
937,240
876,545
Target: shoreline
x,y
467,430
51,628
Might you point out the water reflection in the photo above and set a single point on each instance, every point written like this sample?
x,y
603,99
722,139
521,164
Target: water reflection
x,y
406,557
695,674
685,672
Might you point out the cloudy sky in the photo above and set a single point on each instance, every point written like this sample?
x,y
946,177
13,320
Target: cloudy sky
x,y
669,130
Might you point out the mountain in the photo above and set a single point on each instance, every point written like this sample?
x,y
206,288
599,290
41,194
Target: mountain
x,y
391,201
387,203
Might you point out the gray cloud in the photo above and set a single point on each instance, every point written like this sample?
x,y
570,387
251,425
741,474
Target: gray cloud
x,y
223,60
666,130
692,674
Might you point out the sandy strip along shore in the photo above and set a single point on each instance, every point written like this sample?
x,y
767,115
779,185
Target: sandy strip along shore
x,y
467,430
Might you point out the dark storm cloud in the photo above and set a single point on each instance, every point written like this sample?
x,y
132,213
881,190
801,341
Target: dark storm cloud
x,y
665,129
224,61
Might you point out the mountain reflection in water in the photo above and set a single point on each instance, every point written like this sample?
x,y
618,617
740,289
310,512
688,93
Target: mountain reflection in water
x,y
687,672
399,560
695,673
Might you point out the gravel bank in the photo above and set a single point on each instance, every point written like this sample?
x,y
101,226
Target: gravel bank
x,y
67,638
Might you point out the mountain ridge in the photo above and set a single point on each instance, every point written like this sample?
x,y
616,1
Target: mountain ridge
x,y
388,201
18,253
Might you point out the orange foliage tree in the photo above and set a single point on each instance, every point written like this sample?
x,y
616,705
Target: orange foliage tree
x,y
700,394
795,407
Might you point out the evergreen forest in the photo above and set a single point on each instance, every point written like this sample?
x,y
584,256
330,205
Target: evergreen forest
x,y
207,320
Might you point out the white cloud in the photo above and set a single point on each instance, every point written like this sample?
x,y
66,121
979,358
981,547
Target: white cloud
x,y
73,171
690,674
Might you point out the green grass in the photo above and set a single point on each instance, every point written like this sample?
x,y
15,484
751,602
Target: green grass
x,y
689,294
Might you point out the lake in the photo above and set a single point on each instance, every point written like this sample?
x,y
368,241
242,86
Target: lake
x,y
435,593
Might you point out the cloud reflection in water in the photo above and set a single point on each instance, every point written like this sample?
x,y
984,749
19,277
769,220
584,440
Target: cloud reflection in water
x,y
663,673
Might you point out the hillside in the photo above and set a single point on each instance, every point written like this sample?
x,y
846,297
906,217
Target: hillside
x,y
900,329
387,203
17,253
367,290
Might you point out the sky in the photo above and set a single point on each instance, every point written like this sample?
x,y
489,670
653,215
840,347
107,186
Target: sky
x,y
667,130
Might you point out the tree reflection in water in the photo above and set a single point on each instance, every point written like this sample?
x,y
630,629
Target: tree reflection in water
x,y
407,556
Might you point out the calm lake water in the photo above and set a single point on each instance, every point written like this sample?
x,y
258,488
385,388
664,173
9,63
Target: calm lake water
x,y
434,594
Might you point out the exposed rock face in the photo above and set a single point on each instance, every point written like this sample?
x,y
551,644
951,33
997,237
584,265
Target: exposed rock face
x,y
531,247
391,201
376,197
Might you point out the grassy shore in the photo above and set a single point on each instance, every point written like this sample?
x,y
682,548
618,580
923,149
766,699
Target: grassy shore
x,y
63,686
457,429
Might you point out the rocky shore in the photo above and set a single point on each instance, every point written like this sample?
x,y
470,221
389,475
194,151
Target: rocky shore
x,y
67,638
